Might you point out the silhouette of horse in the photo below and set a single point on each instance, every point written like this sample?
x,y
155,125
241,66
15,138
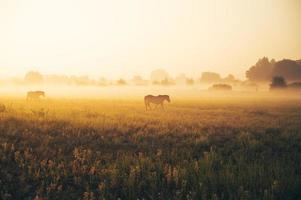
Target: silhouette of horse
x,y
157,100
34,95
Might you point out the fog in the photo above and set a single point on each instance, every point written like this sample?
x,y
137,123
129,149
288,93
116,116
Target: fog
x,y
127,92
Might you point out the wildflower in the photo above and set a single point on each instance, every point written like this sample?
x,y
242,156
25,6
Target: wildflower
x,y
159,152
92,170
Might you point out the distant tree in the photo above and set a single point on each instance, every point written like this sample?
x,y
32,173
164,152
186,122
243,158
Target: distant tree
x,y
167,81
57,79
221,87
102,82
121,82
81,80
181,79
159,75
138,80
288,69
249,85
17,81
210,77
156,82
230,79
33,77
189,81
261,71
278,82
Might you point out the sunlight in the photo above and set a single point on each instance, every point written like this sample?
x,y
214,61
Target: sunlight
x,y
123,38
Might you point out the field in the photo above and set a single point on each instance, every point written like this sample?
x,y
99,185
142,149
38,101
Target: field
x,y
114,149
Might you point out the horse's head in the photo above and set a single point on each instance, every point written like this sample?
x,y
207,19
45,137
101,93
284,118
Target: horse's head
x,y
167,98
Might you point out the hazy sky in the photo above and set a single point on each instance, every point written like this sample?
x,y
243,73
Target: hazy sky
x,y
121,38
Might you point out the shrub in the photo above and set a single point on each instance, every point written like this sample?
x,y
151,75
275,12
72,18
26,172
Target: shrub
x,y
221,87
278,82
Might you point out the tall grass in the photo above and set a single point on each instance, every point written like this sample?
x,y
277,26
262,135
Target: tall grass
x,y
101,149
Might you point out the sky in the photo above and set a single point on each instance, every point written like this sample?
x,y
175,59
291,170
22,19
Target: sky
x,y
122,38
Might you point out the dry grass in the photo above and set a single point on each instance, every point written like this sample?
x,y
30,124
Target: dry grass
x,y
109,149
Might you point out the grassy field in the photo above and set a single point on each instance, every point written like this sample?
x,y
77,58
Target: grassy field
x,y
110,149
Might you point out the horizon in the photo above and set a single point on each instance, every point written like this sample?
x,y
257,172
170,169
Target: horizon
x,y
288,69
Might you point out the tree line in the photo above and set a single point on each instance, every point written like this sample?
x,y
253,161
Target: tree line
x,y
157,77
264,71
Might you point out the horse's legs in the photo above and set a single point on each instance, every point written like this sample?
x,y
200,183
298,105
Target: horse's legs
x,y
162,106
146,104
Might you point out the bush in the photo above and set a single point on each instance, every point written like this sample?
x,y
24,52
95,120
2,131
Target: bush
x,y
221,87
278,82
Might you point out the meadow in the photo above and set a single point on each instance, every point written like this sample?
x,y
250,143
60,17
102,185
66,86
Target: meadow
x,y
209,148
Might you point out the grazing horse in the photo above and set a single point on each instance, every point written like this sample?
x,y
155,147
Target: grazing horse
x,y
158,100
34,95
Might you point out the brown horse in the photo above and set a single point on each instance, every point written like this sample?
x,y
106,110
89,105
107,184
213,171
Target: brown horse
x,y
35,95
157,100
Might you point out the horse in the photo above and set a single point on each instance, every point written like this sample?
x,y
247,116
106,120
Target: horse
x,y
35,95
158,100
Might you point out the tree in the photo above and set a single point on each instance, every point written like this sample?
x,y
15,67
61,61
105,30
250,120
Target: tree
x,y
210,77
181,79
278,82
56,79
121,82
159,75
264,70
167,82
189,81
261,71
33,77
102,81
288,69
138,80
230,78
221,87
81,80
